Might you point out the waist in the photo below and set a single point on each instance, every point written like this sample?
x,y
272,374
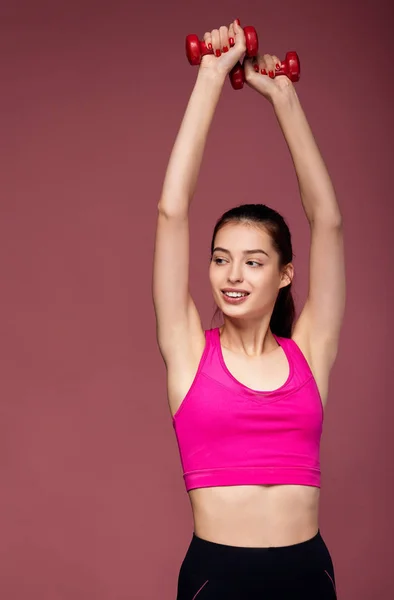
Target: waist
x,y
256,515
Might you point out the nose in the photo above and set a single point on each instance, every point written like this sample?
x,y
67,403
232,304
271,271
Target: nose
x,y
235,273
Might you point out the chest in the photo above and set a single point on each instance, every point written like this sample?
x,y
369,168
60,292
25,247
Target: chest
x,y
264,373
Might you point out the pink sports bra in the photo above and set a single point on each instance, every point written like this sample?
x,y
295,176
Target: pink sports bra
x,y
229,434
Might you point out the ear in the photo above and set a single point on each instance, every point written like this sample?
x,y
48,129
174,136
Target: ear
x,y
287,275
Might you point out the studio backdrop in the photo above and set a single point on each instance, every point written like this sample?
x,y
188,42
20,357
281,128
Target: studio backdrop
x,y
92,501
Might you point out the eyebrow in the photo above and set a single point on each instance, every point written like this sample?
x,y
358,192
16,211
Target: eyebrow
x,y
255,251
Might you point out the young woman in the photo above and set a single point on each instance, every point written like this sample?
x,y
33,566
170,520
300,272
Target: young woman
x,y
247,399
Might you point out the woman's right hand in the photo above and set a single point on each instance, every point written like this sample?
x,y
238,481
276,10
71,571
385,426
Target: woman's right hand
x,y
224,56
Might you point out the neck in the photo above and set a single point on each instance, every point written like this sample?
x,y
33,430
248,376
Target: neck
x,y
246,337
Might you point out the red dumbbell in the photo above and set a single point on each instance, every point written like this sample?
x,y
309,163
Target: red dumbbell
x,y
196,49
290,67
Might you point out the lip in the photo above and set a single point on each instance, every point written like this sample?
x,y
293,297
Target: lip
x,y
230,300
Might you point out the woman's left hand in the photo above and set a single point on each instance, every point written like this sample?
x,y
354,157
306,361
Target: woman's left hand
x,y
260,75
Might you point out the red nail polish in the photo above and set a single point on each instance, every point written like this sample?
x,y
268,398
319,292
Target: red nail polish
x,y
256,68
238,21
231,40
218,53
225,49
277,66
272,74
263,72
209,46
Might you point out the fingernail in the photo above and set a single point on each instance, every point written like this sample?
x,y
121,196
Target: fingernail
x,y
218,53
209,46
277,66
238,21
231,40
256,68
225,49
272,74
263,72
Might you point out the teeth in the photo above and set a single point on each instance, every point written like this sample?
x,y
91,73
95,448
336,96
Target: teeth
x,y
235,294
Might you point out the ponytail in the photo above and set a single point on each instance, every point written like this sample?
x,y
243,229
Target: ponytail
x,y
282,318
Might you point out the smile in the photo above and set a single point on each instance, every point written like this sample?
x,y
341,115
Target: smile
x,y
235,294
234,297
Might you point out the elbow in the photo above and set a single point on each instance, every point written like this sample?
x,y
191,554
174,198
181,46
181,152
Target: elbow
x,y
336,222
167,211
331,221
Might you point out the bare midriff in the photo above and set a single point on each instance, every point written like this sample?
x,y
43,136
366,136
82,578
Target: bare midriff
x,y
256,515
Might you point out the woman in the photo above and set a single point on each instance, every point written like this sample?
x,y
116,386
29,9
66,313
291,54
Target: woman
x,y
247,399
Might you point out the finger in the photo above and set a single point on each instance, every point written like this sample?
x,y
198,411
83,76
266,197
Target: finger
x,y
231,35
224,41
270,65
239,34
240,41
260,65
237,26
215,36
208,40
277,61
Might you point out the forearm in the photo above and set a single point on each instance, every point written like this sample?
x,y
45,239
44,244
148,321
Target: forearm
x,y
316,188
186,157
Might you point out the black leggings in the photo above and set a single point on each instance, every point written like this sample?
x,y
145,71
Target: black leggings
x,y
212,571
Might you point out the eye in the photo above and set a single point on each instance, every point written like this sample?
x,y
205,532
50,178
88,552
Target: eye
x,y
219,261
254,263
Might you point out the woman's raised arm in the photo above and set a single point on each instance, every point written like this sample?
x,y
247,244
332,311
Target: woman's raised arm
x,y
178,322
318,327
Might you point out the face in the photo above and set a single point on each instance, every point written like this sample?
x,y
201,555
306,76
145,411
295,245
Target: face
x,y
245,274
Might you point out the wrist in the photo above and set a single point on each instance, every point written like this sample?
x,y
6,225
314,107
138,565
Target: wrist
x,y
284,98
211,78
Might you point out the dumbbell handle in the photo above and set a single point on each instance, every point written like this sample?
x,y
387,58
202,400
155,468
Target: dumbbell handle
x,y
205,50
196,49
289,67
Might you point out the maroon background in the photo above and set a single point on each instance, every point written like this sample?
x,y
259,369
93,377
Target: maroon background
x,y
92,503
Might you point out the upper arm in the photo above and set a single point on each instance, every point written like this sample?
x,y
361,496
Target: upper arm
x,y
318,326
177,320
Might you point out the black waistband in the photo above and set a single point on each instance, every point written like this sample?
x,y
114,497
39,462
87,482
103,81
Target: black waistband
x,y
210,546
